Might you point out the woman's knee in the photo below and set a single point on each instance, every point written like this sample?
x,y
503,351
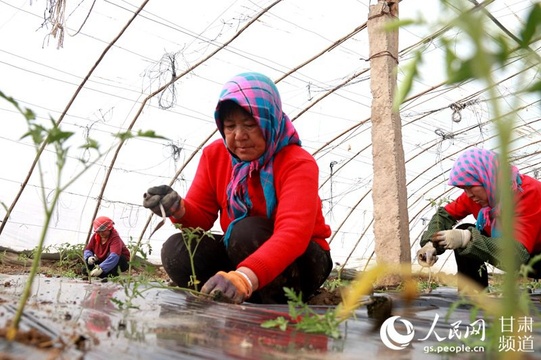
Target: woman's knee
x,y
247,236
172,247
207,255
315,267
305,275
123,264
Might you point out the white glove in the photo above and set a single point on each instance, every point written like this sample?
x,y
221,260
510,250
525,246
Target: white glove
x,y
91,260
427,255
452,239
97,271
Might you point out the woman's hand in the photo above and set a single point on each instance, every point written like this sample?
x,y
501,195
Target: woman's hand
x,y
427,255
233,286
452,239
167,197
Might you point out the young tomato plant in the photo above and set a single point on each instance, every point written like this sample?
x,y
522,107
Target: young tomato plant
x,y
54,137
304,318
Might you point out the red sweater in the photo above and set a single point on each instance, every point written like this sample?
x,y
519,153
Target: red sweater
x,y
527,213
113,245
298,217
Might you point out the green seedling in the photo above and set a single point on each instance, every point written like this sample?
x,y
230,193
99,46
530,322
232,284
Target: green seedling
x,y
192,237
302,317
135,285
25,258
332,284
54,137
69,253
491,51
436,203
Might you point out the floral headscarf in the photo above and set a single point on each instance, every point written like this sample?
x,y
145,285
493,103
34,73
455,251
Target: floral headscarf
x,y
479,167
258,95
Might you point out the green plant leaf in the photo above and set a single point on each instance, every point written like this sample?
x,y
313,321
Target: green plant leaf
x,y
532,27
503,51
27,113
535,87
150,134
280,322
90,144
460,71
37,133
58,136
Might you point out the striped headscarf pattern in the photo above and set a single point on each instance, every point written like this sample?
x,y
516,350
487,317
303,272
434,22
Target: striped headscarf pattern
x,y
479,167
258,95
103,223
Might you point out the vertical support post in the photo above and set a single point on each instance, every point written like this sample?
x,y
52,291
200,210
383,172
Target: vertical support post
x,y
389,193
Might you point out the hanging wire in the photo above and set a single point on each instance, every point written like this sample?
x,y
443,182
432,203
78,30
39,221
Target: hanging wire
x,y
168,72
331,165
458,107
54,15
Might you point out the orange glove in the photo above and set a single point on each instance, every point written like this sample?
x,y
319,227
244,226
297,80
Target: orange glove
x,y
233,286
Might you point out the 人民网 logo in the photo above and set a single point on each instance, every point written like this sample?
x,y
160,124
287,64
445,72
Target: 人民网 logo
x,y
392,338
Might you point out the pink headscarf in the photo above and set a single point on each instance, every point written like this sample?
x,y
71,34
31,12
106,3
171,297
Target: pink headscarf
x,y
479,167
103,223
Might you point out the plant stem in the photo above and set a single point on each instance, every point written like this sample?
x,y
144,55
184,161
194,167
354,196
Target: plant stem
x,y
14,326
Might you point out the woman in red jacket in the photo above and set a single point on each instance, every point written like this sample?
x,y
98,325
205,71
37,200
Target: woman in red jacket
x,y
264,187
476,171
105,253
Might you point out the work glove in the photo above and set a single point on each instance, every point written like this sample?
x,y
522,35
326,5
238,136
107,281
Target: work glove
x,y
164,195
91,260
233,286
452,239
97,271
427,255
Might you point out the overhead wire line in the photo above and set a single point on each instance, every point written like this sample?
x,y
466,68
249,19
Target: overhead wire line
x,y
61,118
430,38
181,75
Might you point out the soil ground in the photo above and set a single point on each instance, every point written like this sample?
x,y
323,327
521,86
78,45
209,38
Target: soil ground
x,y
13,263
19,263
166,322
51,266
